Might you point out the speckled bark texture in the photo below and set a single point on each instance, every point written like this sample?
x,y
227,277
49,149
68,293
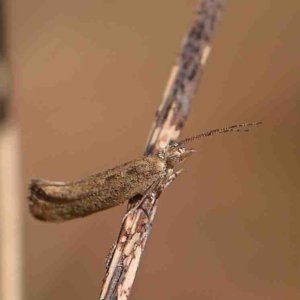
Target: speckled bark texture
x,y
170,119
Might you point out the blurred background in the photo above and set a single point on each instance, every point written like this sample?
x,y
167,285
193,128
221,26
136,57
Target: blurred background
x,y
87,77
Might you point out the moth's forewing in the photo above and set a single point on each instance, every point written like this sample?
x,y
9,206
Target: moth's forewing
x,y
59,201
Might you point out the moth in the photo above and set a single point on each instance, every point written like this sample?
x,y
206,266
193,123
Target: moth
x,y
53,201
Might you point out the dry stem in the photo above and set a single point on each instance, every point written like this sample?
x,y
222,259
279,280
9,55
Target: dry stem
x,y
125,256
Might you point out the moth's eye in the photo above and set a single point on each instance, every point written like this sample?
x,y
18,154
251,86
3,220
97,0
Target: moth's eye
x,y
41,194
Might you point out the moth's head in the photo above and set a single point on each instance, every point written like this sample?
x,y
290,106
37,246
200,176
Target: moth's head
x,y
176,154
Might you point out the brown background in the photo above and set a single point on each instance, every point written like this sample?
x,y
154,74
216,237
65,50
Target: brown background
x,y
88,76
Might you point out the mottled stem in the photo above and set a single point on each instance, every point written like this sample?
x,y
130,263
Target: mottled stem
x,y
170,118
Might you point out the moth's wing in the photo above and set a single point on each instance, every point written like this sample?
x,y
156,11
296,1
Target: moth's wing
x,y
61,201
57,201
47,190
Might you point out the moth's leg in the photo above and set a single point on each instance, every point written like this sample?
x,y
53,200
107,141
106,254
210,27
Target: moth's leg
x,y
161,181
134,201
110,255
173,177
152,188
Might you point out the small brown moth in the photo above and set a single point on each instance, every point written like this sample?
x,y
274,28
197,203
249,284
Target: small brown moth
x,y
61,201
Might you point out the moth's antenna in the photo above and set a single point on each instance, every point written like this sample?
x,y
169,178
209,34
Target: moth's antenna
x,y
233,128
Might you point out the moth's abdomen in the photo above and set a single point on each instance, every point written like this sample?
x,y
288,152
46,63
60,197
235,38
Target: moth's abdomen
x,y
59,201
